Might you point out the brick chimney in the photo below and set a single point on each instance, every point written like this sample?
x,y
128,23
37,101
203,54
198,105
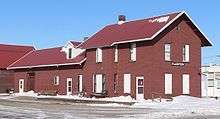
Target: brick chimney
x,y
121,19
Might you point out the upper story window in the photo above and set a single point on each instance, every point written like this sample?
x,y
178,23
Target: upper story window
x,y
98,55
167,51
70,53
186,53
56,80
116,53
133,51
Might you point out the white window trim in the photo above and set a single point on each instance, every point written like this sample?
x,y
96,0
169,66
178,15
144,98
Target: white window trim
x,y
68,53
98,55
168,83
167,52
103,80
56,80
133,52
186,51
127,83
116,53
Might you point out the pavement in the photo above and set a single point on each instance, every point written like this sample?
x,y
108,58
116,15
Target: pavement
x,y
31,108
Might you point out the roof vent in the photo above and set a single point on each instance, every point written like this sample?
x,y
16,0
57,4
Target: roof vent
x,y
121,19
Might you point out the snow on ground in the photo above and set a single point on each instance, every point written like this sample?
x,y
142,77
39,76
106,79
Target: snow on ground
x,y
181,106
76,97
28,94
181,102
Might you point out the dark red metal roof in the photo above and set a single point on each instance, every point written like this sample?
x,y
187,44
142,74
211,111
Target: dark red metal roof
x,y
131,30
134,30
46,58
11,53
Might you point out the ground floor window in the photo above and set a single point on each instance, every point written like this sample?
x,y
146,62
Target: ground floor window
x,y
115,82
80,87
127,83
99,83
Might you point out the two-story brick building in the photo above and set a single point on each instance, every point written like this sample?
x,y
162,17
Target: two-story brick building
x,y
154,56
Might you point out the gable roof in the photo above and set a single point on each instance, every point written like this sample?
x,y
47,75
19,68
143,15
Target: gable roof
x,y
138,30
11,53
46,58
75,43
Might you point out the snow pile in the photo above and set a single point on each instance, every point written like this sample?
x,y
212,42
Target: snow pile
x,y
160,19
108,105
180,102
28,94
181,106
76,97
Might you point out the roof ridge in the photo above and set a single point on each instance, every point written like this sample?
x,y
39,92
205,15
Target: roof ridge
x,y
49,48
147,18
18,45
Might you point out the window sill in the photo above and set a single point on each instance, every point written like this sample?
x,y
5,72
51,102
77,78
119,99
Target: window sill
x,y
132,61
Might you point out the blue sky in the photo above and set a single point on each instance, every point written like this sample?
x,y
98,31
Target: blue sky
x,y
50,23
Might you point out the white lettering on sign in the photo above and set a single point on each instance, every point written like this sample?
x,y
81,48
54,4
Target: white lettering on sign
x,y
177,64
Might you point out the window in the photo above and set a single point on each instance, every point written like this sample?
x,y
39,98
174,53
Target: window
x,y
98,55
80,87
168,83
70,53
210,82
99,83
185,81
56,80
167,50
133,52
186,53
127,83
115,83
116,53
218,83
210,79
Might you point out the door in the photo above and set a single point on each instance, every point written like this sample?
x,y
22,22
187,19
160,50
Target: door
x,y
80,87
98,83
69,86
139,88
21,86
185,84
168,83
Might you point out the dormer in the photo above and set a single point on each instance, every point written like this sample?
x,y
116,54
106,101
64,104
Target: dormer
x,y
71,49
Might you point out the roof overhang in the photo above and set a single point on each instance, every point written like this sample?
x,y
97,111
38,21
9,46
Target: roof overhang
x,y
48,65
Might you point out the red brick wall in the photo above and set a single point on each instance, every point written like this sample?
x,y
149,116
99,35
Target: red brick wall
x,y
6,80
44,79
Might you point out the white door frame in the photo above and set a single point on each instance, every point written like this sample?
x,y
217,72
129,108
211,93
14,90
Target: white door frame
x,y
67,86
80,83
21,85
139,96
